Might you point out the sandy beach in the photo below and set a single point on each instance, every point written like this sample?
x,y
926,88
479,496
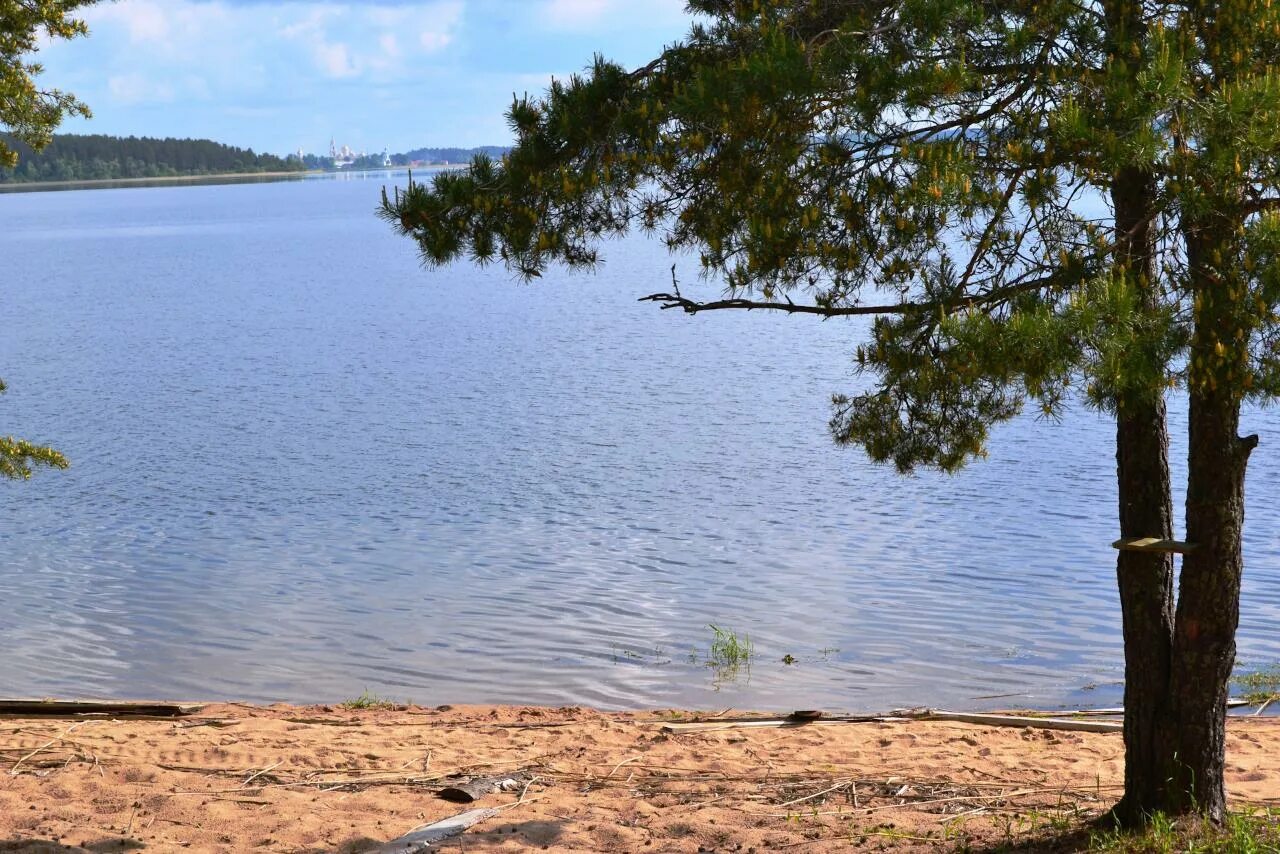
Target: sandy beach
x,y
325,778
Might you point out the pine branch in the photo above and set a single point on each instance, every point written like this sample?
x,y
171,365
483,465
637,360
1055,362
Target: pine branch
x,y
988,300
1261,205
694,306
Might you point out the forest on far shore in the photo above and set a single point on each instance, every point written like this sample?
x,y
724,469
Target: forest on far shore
x,y
93,157
97,157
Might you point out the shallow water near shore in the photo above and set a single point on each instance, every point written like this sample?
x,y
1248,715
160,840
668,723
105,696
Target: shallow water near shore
x,y
304,467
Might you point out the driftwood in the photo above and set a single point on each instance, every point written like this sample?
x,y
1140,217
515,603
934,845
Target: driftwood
x,y
707,726
72,708
805,715
422,838
467,791
1061,720
908,715
1023,721
793,718
1114,711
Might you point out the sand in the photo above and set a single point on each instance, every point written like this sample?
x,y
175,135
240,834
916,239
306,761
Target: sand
x,y
312,779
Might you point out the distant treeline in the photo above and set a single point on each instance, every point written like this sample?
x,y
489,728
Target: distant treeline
x,y
447,155
76,157
408,158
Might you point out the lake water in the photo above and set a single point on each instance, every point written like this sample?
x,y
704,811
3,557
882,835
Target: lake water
x,y
304,467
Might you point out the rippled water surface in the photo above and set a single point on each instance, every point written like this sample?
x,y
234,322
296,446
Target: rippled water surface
x,y
304,467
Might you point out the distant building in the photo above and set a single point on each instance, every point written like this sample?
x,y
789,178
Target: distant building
x,y
345,157
341,157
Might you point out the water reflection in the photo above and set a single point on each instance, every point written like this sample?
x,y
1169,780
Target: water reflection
x,y
303,467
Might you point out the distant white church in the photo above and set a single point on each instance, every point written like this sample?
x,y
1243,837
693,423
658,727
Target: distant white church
x,y
345,157
341,157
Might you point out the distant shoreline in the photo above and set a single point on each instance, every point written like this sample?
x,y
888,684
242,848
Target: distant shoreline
x,y
230,177
219,178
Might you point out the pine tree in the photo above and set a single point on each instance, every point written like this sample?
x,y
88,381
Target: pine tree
x,y
938,164
31,114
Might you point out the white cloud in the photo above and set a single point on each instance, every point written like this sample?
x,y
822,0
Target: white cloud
x,y
576,13
585,15
434,40
138,89
278,74
379,51
309,23
334,59
255,47
144,21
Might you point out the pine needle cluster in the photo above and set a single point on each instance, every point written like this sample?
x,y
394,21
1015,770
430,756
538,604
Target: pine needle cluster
x,y
948,160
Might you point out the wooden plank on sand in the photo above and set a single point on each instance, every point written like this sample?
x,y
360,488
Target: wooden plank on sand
x,y
1062,720
1152,544
60,708
707,726
913,715
1114,711
422,838
1023,721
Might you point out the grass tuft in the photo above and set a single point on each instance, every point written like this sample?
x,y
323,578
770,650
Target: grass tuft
x,y
368,700
729,650
1250,832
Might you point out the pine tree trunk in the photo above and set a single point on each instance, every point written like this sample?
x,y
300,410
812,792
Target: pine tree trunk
x,y
1145,579
1146,605
1204,646
1208,604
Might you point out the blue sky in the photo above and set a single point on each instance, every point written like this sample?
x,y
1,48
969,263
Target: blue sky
x,y
279,76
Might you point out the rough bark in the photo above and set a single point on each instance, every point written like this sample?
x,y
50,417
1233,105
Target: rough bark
x,y
1208,610
1208,603
1146,605
1145,579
